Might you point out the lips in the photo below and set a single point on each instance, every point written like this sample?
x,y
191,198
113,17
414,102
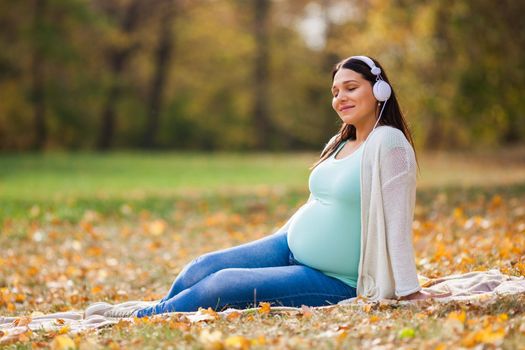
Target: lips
x,y
344,108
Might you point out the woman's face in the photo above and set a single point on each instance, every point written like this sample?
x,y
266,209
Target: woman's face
x,y
353,99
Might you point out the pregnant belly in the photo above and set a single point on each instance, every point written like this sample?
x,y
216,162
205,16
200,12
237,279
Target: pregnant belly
x,y
326,237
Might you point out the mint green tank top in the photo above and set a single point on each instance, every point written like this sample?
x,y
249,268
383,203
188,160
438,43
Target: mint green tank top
x,y
326,232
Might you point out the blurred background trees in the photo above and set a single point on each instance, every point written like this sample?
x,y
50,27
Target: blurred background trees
x,y
251,74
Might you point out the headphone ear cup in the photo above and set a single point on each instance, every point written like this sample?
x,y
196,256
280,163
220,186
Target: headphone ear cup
x,y
382,90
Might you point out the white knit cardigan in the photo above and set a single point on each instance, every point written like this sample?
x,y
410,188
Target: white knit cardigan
x,y
388,194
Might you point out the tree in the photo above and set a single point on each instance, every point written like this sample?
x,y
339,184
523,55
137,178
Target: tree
x,y
118,56
261,80
38,76
163,54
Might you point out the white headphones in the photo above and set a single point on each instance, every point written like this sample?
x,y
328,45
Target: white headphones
x,y
381,88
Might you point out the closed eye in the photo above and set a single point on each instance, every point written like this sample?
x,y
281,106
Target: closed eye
x,y
350,89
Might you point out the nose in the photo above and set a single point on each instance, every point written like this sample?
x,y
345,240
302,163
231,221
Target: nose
x,y
341,97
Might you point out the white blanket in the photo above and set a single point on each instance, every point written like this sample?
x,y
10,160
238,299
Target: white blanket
x,y
477,285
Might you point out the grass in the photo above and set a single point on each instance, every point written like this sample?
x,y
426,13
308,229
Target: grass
x,y
79,228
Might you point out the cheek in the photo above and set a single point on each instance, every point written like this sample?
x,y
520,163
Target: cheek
x,y
334,102
367,99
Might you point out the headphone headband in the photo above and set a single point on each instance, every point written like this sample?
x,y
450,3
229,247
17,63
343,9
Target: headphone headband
x,y
373,68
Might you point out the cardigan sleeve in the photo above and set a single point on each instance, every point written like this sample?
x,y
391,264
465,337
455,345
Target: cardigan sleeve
x,y
398,180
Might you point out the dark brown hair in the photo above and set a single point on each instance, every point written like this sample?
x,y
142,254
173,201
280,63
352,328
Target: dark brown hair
x,y
391,116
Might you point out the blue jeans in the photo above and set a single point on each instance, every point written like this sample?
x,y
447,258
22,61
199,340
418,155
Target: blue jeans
x,y
243,276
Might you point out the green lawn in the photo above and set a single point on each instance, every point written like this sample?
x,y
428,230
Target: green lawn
x,y
70,183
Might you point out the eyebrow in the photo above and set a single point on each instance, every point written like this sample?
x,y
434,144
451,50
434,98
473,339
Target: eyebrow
x,y
344,82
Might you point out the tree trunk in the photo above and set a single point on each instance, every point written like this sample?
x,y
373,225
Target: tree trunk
x,y
118,59
38,79
261,80
163,55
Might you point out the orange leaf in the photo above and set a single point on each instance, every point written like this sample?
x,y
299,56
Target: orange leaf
x,y
96,289
306,311
264,308
22,321
232,316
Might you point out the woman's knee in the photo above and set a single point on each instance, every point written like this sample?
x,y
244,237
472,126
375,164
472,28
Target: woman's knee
x,y
197,269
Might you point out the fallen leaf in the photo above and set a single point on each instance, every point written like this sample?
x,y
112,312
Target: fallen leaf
x,y
264,308
63,342
407,333
237,342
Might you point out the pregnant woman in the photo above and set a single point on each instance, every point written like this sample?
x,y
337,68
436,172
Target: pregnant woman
x,y
352,237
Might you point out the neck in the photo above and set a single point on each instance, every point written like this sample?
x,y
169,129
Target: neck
x,y
362,131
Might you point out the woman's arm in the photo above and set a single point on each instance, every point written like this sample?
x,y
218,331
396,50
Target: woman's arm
x,y
399,195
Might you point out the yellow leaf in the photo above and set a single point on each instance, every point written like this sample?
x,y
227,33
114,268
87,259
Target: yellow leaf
x,y
113,345
521,268
458,213
63,342
64,330
23,337
260,340
459,316
342,336
367,308
237,342
485,335
157,227
407,333
373,319
211,340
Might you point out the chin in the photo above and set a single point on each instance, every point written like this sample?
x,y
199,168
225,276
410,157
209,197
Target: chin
x,y
348,121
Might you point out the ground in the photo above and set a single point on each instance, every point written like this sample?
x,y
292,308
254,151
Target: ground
x,y
79,228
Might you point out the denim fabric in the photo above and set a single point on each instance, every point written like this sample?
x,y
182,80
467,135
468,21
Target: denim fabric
x,y
243,276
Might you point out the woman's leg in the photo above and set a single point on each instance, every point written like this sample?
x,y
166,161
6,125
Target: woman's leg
x,y
271,250
292,285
